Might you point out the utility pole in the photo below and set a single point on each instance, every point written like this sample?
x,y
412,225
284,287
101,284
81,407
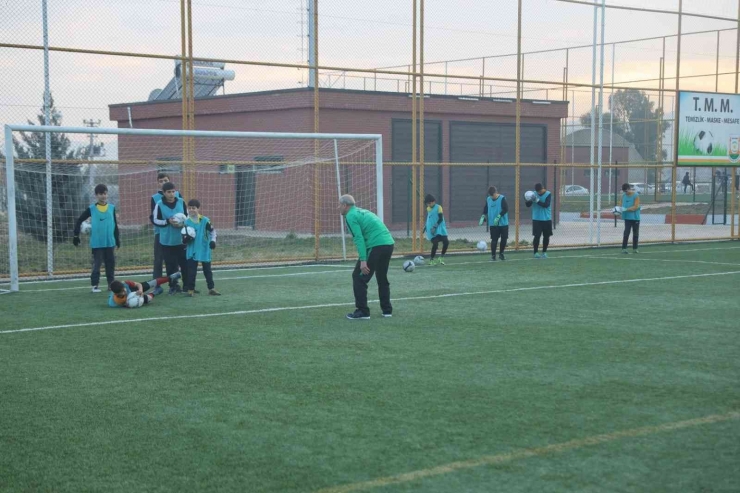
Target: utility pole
x,y
91,150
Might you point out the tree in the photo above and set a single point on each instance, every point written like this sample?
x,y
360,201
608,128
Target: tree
x,y
67,182
637,119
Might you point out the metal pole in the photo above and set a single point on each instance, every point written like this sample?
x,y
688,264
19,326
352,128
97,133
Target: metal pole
x,y
12,224
593,129
601,123
519,72
339,195
611,122
316,173
737,72
379,178
91,174
675,125
573,140
445,78
413,131
716,67
47,145
615,192
661,84
184,82
421,122
311,53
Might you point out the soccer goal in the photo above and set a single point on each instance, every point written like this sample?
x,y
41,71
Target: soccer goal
x,y
272,197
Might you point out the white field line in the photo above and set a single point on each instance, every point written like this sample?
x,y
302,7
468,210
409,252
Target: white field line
x,y
331,305
556,257
293,274
632,258
216,271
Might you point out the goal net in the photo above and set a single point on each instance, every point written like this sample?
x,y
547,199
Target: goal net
x,y
271,197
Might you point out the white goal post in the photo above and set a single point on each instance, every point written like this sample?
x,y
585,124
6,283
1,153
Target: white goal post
x,y
272,197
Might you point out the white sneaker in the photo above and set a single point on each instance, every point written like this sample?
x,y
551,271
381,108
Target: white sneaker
x,y
96,289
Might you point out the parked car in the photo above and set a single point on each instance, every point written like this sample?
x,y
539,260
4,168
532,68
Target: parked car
x,y
638,187
574,190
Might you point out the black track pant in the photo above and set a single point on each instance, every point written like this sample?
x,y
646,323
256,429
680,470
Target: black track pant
x,y
193,272
496,233
102,256
377,262
435,243
174,259
634,226
158,258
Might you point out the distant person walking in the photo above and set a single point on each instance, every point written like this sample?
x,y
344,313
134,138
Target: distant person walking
x,y
687,182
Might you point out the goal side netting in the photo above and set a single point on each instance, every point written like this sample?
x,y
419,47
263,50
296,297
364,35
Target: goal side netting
x,y
272,197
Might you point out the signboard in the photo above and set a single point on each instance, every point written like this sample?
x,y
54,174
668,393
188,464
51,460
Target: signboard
x,y
708,129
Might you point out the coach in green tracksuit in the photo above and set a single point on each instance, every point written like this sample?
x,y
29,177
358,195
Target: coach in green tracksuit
x,y
375,247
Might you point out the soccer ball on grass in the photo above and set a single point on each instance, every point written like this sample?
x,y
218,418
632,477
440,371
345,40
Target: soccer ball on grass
x,y
482,246
419,260
409,266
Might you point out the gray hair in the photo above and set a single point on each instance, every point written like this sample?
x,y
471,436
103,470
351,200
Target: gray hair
x,y
347,200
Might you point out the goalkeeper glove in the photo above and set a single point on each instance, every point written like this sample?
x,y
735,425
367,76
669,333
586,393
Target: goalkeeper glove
x,y
496,220
482,219
76,241
213,245
434,230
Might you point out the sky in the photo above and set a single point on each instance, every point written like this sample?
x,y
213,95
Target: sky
x,y
352,33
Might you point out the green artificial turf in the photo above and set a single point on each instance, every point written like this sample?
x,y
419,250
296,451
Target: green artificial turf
x,y
480,359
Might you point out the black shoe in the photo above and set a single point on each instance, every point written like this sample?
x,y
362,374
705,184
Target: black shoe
x,y
493,258
387,314
501,256
358,315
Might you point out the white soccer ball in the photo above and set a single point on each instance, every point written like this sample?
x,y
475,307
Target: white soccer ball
x,y
86,227
529,196
409,266
188,234
419,260
482,246
133,300
704,142
617,210
180,218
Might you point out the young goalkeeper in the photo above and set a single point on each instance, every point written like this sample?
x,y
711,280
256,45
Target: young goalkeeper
x,y
436,229
199,248
104,237
496,216
121,289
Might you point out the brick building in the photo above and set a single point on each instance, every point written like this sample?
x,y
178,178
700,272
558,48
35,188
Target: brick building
x,y
457,130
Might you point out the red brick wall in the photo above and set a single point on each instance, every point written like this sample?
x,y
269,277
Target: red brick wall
x,y
292,111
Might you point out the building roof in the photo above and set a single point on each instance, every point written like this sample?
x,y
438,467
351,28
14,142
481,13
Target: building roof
x,y
634,155
342,99
582,138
